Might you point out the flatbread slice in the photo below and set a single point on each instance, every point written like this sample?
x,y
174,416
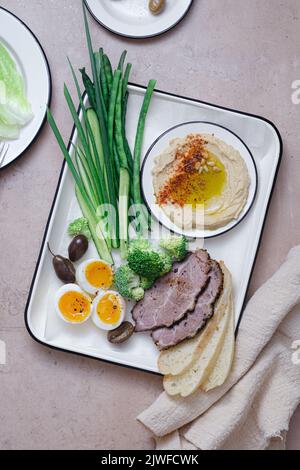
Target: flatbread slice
x,y
224,362
178,359
205,357
185,384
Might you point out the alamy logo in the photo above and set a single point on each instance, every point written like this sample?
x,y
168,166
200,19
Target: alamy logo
x,y
296,92
2,353
296,354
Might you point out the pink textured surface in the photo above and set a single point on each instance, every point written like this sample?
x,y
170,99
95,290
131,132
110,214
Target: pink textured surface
x,y
243,55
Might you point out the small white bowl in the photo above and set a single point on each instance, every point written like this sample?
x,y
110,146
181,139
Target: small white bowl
x,y
182,130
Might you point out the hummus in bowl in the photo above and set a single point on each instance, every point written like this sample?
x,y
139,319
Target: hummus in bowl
x,y
200,182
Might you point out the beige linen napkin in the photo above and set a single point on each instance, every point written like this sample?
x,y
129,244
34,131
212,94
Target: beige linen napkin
x,y
253,408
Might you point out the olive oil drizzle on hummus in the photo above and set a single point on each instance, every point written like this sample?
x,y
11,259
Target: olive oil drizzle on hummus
x,y
199,176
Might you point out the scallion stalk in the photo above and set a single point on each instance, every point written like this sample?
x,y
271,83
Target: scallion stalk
x,y
95,228
123,211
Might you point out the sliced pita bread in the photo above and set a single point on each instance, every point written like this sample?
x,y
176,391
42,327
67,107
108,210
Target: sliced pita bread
x,y
205,357
177,359
224,362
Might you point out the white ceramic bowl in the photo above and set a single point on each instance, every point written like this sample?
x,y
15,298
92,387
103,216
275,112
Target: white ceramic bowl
x,y
182,130
132,18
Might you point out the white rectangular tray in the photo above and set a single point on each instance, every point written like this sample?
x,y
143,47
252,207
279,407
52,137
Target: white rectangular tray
x,y
238,248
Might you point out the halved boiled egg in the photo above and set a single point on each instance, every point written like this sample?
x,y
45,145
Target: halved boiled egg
x,y
72,304
108,310
94,276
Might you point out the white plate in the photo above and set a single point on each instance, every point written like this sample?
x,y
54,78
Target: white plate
x,y
132,18
237,248
182,130
31,60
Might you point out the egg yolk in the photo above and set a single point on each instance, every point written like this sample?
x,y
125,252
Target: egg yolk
x,y
109,309
74,306
99,274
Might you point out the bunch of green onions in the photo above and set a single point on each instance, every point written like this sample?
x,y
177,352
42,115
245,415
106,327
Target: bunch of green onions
x,y
106,173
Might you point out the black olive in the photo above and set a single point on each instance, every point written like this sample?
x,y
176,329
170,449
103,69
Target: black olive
x,y
63,268
121,334
78,247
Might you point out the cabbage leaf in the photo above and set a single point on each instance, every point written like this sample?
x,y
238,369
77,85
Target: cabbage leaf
x,y
15,110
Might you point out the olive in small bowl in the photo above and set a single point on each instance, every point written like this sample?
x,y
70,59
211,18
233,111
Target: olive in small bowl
x,y
156,6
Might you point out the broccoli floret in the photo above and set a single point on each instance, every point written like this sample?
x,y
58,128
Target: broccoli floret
x,y
176,246
127,283
137,294
167,263
146,263
146,282
79,227
139,244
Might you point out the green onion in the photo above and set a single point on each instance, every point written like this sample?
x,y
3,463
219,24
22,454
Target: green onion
x,y
82,196
95,228
95,129
98,177
86,178
108,153
105,173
